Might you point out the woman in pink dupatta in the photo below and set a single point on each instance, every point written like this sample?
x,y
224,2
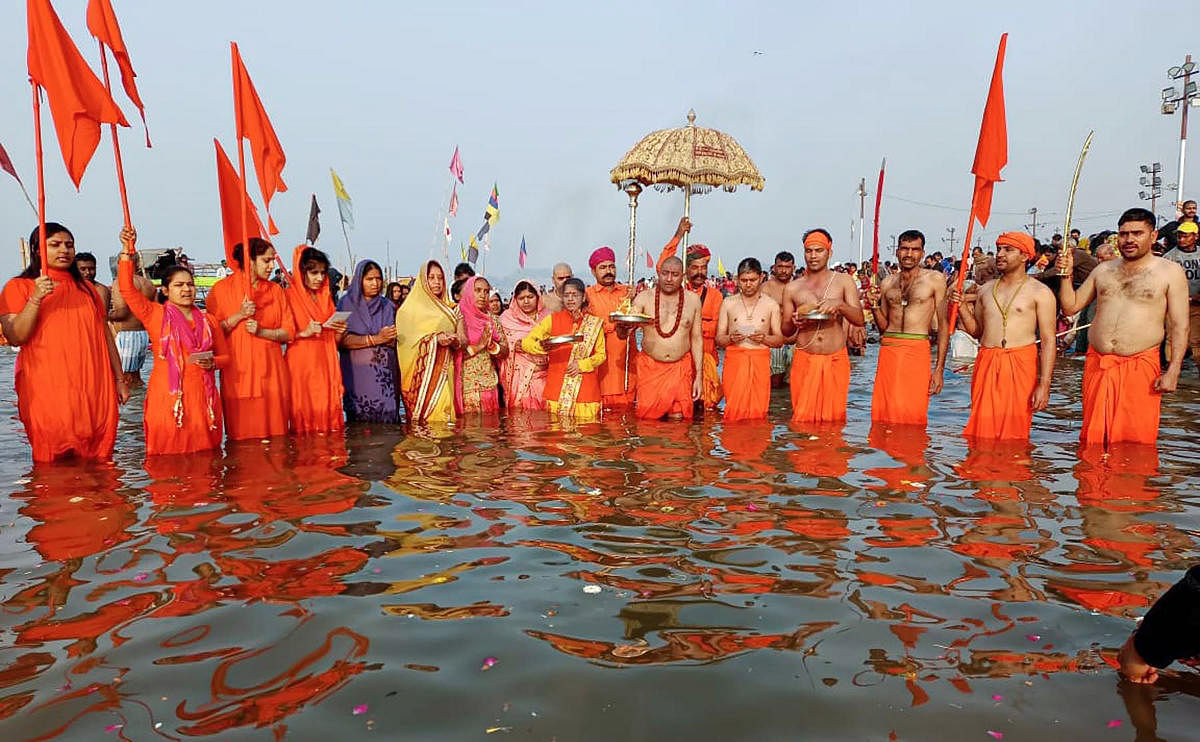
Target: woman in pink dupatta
x,y
477,389
522,374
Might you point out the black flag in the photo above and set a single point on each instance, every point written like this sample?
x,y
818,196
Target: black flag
x,y
314,224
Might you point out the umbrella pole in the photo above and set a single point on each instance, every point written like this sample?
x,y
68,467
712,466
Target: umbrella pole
x,y
687,207
633,189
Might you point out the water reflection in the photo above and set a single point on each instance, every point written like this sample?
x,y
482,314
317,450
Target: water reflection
x,y
309,587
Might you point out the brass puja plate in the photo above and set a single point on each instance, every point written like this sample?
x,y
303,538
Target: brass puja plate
x,y
562,340
816,316
630,319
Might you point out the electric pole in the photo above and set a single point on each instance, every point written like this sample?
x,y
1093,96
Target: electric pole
x,y
1033,228
950,240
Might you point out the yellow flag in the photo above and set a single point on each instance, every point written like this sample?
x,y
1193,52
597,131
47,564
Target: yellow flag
x,y
720,267
345,207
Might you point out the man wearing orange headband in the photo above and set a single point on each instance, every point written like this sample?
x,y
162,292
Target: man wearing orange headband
x,y
1136,296
1009,315
816,308
904,307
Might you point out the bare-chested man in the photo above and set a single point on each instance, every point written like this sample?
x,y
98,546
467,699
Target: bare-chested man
x,y
782,271
558,276
904,307
1009,315
1135,297
748,327
86,263
820,379
670,366
133,344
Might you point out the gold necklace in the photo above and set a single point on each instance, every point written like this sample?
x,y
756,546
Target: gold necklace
x,y
1004,309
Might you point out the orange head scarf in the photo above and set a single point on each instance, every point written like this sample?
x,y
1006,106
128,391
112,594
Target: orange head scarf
x,y
819,239
1020,241
322,299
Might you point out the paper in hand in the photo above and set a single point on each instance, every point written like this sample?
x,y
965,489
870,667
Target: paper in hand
x,y
337,317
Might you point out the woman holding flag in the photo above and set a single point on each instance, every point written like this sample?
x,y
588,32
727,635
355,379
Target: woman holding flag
x,y
257,323
314,373
183,408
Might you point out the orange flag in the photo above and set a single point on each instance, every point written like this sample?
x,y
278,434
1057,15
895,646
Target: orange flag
x,y
991,154
78,101
251,122
229,185
102,23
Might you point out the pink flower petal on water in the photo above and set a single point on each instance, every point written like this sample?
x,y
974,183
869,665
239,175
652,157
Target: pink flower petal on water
x,y
995,735
113,727
140,577
359,709
997,698
751,506
1033,637
1114,723
488,663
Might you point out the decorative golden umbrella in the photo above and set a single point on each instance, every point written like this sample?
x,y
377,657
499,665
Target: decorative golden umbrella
x,y
690,158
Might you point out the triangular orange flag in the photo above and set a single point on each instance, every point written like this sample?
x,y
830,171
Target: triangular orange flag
x,y
102,23
232,193
991,154
78,101
251,122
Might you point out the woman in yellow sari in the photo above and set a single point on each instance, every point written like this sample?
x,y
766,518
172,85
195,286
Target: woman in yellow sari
x,y
426,336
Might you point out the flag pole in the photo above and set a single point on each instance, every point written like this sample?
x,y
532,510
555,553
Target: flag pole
x,y
241,146
41,178
875,238
116,144
347,238
952,314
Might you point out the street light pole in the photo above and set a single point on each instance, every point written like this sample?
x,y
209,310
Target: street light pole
x,y
1189,96
1151,180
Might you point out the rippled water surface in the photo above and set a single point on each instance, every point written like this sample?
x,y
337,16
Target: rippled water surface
x,y
621,580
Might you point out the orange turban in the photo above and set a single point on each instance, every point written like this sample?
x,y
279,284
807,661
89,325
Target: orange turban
x,y
819,239
1020,241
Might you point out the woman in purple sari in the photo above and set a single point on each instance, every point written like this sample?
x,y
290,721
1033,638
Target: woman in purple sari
x,y
370,372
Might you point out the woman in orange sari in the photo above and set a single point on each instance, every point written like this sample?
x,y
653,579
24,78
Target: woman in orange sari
x,y
312,360
67,374
426,336
183,408
523,375
254,385
572,385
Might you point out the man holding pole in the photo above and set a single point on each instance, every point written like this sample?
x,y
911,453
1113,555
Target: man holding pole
x,y
1136,296
904,306
1009,315
698,257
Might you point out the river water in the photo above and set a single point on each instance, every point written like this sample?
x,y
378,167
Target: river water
x,y
623,580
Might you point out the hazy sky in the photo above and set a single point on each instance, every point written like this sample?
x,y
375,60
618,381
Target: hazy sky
x,y
545,98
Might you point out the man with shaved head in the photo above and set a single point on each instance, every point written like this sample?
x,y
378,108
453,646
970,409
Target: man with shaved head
x,y
559,276
670,366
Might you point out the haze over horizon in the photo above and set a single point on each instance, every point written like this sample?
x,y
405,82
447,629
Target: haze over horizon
x,y
543,99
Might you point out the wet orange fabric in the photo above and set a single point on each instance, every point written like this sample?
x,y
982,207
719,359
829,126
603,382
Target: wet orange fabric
x,y
1119,401
747,383
710,311
314,373
664,388
196,431
255,384
561,323
66,393
602,301
901,393
819,386
1001,387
